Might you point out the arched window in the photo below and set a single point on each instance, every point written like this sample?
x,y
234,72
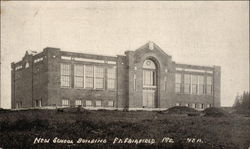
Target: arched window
x,y
148,64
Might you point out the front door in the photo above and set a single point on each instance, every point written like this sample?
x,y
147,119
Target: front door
x,y
148,98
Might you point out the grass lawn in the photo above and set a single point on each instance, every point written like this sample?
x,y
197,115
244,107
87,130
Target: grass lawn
x,y
99,129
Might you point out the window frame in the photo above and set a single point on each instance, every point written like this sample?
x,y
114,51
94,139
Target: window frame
x,y
89,77
64,105
98,78
111,78
134,82
209,86
201,84
78,101
187,84
97,104
149,77
178,82
91,104
194,85
65,77
76,75
110,102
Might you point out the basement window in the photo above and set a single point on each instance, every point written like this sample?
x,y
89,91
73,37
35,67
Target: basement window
x,y
110,103
88,103
98,103
38,103
78,102
65,102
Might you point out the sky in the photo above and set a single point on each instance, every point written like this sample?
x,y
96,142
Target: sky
x,y
192,32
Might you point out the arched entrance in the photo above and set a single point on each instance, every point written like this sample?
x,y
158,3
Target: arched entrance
x,y
149,84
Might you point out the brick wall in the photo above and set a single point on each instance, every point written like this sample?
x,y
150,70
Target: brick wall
x,y
217,86
22,82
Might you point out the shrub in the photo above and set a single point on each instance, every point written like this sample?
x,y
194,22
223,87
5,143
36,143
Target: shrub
x,y
180,110
78,109
215,112
4,110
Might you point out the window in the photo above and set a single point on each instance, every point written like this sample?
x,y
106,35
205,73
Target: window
x,y
19,67
209,86
149,73
99,77
149,64
187,83
194,84
186,104
78,102
88,103
209,105
27,65
135,82
201,85
202,106
89,76
111,76
193,105
177,104
198,106
110,103
78,76
38,103
148,78
65,75
65,102
177,82
98,103
18,104
165,83
38,60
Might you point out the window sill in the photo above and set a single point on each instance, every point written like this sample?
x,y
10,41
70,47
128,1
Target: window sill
x,y
111,89
194,94
149,86
78,88
99,89
65,87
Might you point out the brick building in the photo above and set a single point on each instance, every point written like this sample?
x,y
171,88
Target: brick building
x,y
142,79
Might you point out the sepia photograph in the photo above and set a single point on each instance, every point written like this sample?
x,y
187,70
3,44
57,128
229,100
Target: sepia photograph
x,y
124,75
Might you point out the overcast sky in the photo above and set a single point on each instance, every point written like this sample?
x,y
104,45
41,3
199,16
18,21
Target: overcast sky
x,y
193,32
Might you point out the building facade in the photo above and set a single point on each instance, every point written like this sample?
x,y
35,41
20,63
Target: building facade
x,y
146,78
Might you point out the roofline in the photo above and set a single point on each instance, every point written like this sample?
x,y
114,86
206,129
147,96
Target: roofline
x,y
90,54
190,65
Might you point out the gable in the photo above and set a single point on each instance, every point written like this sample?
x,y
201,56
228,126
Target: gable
x,y
150,47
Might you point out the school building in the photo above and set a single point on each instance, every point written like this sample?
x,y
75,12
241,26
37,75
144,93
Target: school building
x,y
146,78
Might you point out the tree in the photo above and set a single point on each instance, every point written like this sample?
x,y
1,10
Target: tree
x,y
242,101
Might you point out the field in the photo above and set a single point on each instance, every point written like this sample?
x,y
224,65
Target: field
x,y
80,128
